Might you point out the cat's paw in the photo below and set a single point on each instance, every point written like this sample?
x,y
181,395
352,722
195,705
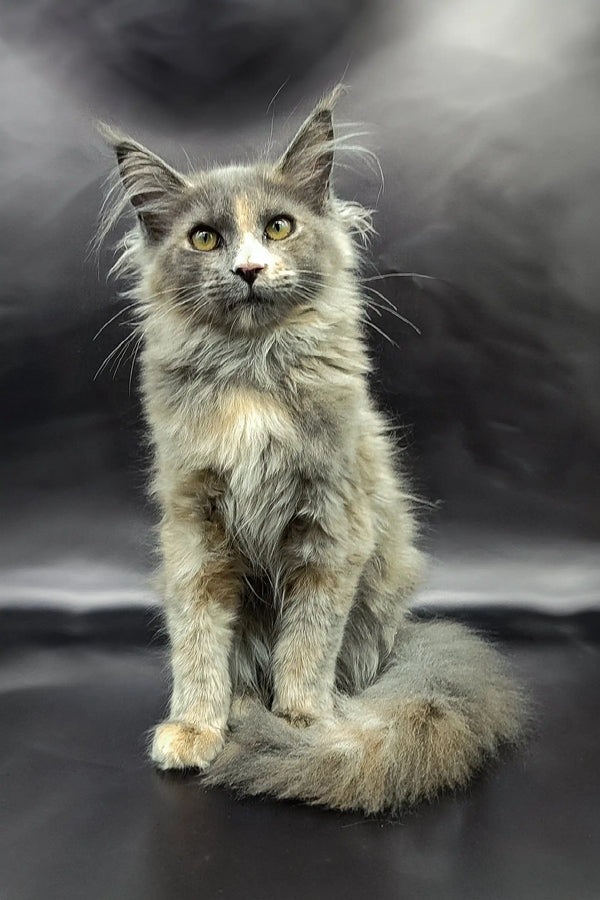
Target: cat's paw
x,y
177,745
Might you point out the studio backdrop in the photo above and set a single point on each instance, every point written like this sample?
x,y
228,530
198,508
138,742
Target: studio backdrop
x,y
479,125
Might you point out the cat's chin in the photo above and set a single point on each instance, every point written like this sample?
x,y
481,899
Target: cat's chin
x,y
256,313
247,297
256,298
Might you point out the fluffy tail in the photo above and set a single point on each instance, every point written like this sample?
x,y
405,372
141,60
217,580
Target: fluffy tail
x,y
444,705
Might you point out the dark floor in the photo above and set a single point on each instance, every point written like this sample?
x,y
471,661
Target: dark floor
x,y
84,815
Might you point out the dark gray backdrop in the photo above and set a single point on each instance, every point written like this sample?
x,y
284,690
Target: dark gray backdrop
x,y
485,122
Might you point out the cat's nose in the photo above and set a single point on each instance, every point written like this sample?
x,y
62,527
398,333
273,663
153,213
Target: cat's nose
x,y
249,271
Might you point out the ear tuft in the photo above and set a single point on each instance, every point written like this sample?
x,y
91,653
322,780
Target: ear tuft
x,y
308,160
150,184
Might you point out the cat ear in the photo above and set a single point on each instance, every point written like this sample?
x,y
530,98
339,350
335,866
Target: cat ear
x,y
150,184
308,161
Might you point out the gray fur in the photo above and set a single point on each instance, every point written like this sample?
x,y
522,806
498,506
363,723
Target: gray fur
x,y
440,710
288,538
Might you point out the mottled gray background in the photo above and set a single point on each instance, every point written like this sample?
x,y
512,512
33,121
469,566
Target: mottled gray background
x,y
484,119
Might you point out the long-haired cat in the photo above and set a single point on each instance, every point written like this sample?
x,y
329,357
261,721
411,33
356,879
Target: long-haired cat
x,y
287,535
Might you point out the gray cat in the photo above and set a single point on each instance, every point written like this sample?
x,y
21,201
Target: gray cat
x,y
287,534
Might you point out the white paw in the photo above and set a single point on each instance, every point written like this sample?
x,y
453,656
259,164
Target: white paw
x,y
177,745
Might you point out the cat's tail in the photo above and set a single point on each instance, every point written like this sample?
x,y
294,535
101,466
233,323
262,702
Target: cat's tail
x,y
444,705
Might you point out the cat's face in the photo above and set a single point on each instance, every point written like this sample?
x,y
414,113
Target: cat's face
x,y
241,248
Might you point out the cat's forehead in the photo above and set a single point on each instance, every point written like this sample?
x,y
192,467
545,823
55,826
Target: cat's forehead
x,y
239,194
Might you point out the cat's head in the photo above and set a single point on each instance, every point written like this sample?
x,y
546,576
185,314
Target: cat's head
x,y
240,247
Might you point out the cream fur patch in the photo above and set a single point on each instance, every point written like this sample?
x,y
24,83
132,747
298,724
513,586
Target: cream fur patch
x,y
238,427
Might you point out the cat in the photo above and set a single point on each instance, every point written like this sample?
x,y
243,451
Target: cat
x,y
288,536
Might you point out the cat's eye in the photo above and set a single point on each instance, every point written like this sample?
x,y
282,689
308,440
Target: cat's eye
x,y
279,228
203,238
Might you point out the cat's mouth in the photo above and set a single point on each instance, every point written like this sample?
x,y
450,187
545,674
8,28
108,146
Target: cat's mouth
x,y
252,297
252,307
255,297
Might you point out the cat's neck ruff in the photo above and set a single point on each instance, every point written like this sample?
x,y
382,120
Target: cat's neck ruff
x,y
218,400
309,344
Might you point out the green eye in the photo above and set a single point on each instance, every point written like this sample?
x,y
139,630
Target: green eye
x,y
279,228
204,239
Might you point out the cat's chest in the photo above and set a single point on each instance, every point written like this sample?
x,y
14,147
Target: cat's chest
x,y
235,432
241,427
265,454
251,439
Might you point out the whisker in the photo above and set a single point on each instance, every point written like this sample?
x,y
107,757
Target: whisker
x,y
113,352
397,315
133,361
373,306
112,319
393,311
382,333
401,275
119,359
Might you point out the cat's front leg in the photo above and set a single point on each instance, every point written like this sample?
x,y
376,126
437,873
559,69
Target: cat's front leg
x,y
316,604
202,589
200,629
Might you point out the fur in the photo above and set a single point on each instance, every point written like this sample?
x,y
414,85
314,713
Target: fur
x,y
437,712
288,537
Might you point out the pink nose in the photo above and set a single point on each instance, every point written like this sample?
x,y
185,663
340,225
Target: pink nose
x,y
249,271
